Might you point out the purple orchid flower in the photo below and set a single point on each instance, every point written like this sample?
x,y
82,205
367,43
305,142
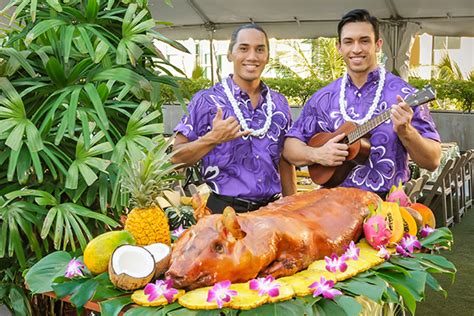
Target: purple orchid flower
x,y
221,293
74,269
409,242
402,251
352,251
383,253
265,286
335,263
426,231
324,288
160,288
178,231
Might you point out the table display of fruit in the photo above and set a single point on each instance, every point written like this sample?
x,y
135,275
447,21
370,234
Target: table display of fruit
x,y
390,264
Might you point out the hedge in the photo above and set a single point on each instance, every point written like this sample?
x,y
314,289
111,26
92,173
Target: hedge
x,y
451,95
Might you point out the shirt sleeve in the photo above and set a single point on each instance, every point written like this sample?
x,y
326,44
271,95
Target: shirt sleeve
x,y
307,123
283,104
423,122
197,122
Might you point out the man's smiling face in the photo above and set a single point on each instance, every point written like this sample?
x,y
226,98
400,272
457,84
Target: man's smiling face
x,y
249,55
358,47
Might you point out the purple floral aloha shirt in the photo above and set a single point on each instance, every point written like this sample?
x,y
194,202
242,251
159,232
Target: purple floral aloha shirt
x,y
246,167
388,160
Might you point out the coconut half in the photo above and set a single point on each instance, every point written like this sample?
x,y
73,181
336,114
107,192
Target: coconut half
x,y
162,255
131,267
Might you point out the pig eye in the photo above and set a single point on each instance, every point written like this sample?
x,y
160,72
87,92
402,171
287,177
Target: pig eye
x,y
218,247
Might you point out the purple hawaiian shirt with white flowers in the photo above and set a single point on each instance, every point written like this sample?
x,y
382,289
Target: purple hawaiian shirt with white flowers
x,y
245,167
388,160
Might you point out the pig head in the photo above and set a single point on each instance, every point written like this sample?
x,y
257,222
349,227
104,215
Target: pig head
x,y
217,248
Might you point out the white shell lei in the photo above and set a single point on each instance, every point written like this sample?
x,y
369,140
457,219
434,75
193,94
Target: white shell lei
x,y
375,102
243,123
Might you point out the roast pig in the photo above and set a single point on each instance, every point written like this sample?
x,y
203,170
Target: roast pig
x,y
280,239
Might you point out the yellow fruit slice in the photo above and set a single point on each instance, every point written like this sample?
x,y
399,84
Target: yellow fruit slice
x,y
140,298
246,298
368,258
286,292
302,280
197,299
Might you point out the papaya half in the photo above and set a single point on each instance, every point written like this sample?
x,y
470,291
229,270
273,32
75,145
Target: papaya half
x,y
393,218
426,213
99,250
409,224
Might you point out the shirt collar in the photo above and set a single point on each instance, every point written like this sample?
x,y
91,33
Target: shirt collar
x,y
239,93
373,76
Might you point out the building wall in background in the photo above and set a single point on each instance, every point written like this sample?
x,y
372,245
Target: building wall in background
x,y
427,52
431,49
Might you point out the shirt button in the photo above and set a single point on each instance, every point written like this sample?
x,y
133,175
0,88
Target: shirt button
x,y
257,156
359,94
259,180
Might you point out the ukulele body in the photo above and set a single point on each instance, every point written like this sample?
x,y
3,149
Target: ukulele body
x,y
359,151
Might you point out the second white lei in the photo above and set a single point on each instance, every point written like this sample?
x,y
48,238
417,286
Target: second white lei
x,y
375,102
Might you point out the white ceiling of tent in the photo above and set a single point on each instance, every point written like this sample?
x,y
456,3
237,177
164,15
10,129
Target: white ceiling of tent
x,y
307,18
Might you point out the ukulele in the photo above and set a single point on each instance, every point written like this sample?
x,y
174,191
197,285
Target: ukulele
x,y
358,142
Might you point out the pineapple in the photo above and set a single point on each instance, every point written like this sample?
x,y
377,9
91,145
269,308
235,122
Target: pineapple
x,y
139,297
145,180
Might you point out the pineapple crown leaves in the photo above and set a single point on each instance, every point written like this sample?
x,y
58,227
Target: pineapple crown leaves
x,y
146,178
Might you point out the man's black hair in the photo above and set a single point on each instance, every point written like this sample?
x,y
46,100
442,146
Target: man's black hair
x,y
358,15
254,26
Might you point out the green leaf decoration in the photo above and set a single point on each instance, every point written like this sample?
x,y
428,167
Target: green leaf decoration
x,y
361,286
63,286
39,278
84,292
114,306
350,306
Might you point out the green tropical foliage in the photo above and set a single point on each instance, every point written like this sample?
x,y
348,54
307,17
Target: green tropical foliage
x,y
447,69
80,85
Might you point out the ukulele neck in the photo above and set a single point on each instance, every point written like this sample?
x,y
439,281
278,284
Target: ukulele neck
x,y
368,126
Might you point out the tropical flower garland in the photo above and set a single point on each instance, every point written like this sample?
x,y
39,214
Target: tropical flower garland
x,y
373,106
243,123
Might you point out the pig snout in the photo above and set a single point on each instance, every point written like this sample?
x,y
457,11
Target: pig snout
x,y
180,281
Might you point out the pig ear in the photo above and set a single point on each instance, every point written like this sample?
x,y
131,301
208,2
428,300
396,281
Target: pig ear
x,y
231,224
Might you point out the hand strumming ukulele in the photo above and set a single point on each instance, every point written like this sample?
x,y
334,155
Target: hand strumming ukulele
x,y
356,138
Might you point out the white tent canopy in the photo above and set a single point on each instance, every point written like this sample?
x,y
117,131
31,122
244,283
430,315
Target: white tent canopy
x,y
401,20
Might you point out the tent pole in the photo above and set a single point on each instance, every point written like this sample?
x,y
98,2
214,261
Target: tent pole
x,y
211,52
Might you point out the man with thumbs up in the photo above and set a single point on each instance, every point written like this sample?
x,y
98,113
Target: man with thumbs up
x,y
237,129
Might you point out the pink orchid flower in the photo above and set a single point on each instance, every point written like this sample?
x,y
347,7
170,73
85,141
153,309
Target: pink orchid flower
x,y
324,288
335,263
352,251
74,268
383,253
221,293
178,231
160,288
265,286
426,231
